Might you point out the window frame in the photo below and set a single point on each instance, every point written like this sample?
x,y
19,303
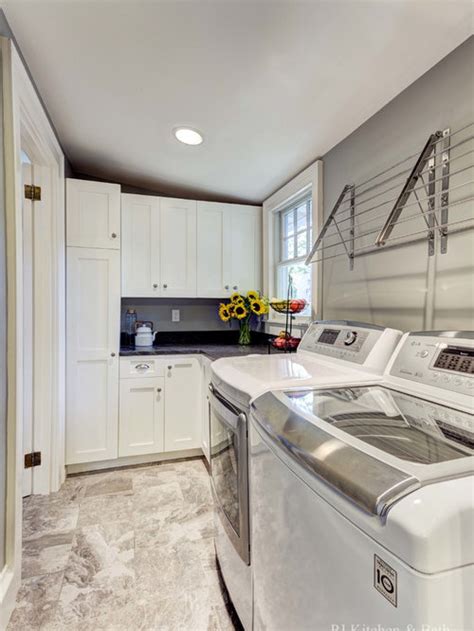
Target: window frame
x,y
310,180
292,208
307,198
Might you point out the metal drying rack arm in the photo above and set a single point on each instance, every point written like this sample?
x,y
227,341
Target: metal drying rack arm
x,y
408,188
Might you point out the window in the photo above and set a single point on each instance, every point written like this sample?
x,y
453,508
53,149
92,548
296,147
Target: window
x,y
295,243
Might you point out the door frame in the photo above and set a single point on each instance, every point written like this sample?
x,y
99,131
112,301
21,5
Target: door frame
x,y
26,125
33,132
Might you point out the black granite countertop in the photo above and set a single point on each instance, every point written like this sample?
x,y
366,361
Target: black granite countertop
x,y
213,351
212,344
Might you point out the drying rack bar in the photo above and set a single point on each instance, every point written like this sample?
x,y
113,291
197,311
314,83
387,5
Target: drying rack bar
x,y
368,233
435,181
416,189
398,242
414,155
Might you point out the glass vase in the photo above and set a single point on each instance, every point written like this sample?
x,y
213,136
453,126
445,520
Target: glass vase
x,y
244,336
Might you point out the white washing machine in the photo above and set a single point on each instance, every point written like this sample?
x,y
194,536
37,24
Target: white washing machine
x,y
363,497
331,353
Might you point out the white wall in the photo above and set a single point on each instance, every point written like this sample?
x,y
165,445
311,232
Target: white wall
x,y
392,287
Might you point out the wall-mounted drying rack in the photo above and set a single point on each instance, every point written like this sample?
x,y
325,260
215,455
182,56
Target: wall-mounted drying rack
x,y
426,194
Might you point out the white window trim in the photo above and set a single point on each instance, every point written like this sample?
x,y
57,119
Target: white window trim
x,y
310,178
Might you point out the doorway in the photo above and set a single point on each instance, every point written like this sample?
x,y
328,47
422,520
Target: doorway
x,y
42,296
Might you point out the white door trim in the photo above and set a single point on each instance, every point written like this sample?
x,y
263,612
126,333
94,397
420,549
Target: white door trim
x,y
33,131
25,123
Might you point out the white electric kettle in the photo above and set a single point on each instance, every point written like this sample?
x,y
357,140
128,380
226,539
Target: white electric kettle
x,y
145,336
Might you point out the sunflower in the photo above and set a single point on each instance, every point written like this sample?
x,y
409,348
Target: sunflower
x,y
258,307
253,295
240,312
236,298
231,308
224,313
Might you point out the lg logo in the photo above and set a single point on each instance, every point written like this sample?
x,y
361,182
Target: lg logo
x,y
385,580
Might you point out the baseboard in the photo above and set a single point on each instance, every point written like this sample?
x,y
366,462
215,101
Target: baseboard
x,y
9,586
133,461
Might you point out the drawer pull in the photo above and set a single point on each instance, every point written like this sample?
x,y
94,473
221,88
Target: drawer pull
x,y
142,366
182,365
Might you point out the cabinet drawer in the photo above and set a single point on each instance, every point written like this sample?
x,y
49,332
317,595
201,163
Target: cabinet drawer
x,y
146,366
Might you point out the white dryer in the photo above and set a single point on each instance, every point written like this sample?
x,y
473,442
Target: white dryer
x,y
363,497
331,353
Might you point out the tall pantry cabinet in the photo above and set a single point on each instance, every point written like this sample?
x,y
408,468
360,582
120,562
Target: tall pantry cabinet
x,y
93,320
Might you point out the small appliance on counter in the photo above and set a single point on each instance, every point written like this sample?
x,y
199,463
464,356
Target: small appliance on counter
x,y
127,337
145,335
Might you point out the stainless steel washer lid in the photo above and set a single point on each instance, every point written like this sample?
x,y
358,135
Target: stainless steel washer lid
x,y
372,444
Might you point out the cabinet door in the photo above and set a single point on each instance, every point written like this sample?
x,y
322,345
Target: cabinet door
x,y
245,248
206,380
182,404
93,214
141,416
140,246
93,325
213,250
178,247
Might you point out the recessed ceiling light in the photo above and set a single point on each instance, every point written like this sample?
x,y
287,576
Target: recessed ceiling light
x,y
188,136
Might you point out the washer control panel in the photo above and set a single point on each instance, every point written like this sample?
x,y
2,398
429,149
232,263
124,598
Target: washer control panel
x,y
444,360
348,341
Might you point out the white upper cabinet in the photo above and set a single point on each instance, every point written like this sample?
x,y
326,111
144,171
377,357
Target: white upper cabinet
x,y
158,247
178,247
93,214
93,325
245,248
213,246
140,246
228,249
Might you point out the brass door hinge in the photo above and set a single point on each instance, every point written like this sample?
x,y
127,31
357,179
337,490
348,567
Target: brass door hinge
x,y
33,459
33,192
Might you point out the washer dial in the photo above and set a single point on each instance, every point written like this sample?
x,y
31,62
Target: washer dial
x,y
350,338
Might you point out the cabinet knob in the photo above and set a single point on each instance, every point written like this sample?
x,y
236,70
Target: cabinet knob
x,y
112,354
158,389
113,235
236,287
170,367
226,287
165,286
155,285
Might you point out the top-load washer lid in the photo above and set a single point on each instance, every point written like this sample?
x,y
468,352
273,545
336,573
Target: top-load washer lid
x,y
331,352
240,379
371,443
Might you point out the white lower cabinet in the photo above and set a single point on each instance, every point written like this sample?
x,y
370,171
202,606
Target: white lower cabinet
x,y
183,404
160,405
206,380
141,423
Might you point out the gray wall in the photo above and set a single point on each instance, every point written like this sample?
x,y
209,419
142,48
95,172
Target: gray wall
x,y
196,314
392,287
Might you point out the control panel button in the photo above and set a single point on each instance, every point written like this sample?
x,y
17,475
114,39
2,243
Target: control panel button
x,y
350,338
424,354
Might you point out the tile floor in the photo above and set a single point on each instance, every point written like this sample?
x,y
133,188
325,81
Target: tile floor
x,y
129,549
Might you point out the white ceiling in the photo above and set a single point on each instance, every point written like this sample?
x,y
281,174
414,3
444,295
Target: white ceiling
x,y
272,85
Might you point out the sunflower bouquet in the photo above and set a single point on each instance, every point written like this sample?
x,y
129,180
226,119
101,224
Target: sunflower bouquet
x,y
242,308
